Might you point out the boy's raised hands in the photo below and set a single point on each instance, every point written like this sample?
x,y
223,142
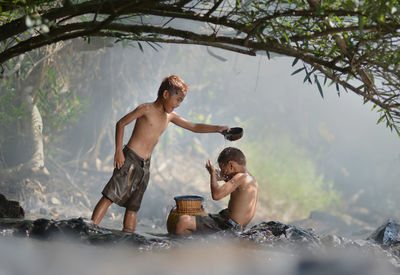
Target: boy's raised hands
x,y
211,169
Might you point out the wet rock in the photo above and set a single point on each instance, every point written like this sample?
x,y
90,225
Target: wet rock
x,y
45,229
282,235
73,228
79,230
271,236
10,209
331,241
346,263
388,234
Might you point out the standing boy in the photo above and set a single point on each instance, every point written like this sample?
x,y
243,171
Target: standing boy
x,y
239,184
131,163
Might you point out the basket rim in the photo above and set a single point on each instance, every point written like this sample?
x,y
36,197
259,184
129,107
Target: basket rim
x,y
188,198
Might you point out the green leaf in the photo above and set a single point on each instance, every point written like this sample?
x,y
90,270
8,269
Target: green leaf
x,y
319,86
381,118
307,77
286,37
295,61
298,70
140,47
319,11
397,130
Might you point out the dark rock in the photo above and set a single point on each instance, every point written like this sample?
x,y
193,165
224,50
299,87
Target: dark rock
x,y
332,241
10,209
73,228
281,235
272,236
388,234
80,230
343,264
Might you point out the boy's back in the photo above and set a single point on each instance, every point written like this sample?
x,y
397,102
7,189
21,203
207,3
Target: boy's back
x,y
243,201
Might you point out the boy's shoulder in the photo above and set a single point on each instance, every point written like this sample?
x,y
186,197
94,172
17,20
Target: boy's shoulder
x,y
145,107
244,178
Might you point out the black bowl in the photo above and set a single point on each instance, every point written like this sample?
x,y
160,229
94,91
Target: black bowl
x,y
234,133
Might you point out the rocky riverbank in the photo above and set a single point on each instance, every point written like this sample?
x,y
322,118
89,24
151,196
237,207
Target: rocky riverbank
x,y
287,240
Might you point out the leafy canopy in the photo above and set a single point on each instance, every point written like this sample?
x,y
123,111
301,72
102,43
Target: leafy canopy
x,y
351,44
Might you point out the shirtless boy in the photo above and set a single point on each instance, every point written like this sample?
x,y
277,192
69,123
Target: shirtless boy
x,y
239,184
131,163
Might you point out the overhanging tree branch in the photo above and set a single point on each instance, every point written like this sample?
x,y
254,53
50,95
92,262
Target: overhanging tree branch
x,y
356,47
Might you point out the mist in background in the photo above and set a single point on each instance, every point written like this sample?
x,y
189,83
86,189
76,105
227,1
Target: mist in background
x,y
336,134
307,152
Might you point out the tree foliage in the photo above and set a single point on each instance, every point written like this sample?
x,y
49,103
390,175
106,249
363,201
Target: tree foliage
x,y
351,44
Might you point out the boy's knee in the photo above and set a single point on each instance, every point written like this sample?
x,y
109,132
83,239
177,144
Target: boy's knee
x,y
183,224
106,201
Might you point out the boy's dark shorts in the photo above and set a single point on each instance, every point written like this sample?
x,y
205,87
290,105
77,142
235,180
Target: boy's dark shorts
x,y
127,184
216,222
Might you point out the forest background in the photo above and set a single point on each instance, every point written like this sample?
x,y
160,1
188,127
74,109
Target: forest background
x,y
308,153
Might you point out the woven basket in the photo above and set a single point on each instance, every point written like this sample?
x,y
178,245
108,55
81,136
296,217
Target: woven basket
x,y
188,204
185,205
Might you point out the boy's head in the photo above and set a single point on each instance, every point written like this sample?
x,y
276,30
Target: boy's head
x,y
172,92
231,161
173,84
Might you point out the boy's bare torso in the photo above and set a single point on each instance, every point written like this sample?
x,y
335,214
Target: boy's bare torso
x,y
148,129
243,201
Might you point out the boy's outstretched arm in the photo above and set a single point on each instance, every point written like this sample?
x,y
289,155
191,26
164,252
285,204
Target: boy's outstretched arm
x,y
119,158
218,192
196,127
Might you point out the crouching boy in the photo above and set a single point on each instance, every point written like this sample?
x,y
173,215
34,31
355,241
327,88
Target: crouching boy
x,y
239,184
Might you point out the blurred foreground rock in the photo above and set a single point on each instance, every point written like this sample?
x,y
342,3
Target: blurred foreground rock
x,y
388,236
10,209
266,236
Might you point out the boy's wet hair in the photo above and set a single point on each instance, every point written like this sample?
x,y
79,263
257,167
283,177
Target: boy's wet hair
x,y
174,84
231,153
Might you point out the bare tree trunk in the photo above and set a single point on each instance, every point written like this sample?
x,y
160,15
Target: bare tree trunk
x,y
33,141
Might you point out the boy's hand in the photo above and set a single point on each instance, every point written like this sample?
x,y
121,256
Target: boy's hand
x,y
210,167
119,159
218,174
223,129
